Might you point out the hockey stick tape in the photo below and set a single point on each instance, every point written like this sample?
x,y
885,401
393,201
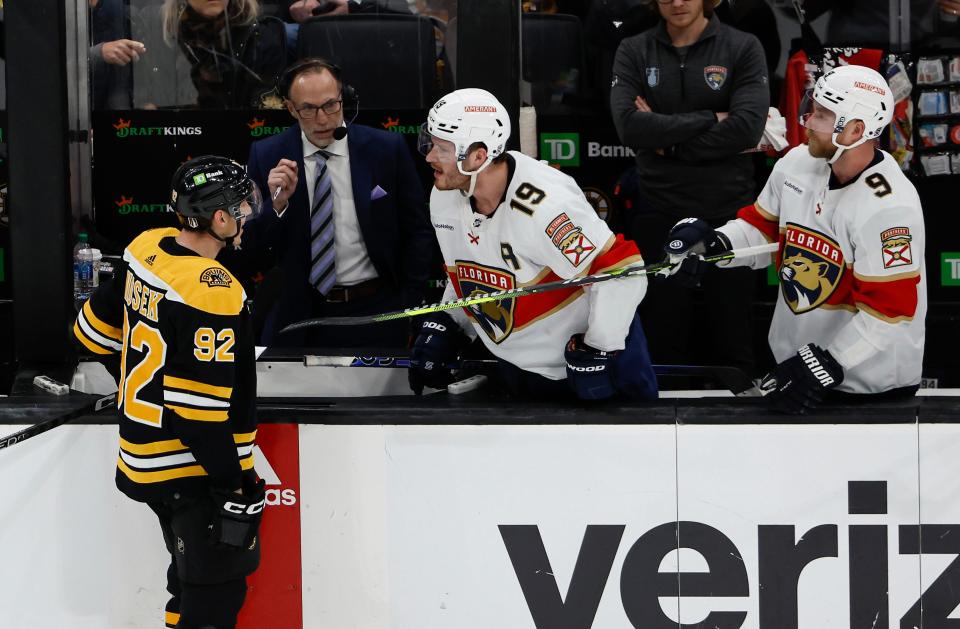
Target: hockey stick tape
x,y
469,384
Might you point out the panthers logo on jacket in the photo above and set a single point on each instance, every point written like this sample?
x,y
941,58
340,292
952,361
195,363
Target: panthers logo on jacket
x,y
811,268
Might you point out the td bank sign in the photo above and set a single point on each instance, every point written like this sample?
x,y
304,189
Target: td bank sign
x,y
562,149
950,268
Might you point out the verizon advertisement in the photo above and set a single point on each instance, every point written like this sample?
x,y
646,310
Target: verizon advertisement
x,y
560,527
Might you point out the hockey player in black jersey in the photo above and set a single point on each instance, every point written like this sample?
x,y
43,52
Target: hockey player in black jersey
x,y
187,390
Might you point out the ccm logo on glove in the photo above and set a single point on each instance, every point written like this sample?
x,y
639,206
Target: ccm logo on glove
x,y
240,509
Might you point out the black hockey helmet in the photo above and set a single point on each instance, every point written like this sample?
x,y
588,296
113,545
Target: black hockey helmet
x,y
208,183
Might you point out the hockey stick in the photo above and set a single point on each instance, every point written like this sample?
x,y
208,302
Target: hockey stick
x,y
521,291
41,427
732,378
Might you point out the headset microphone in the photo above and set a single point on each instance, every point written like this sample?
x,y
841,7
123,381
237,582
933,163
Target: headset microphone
x,y
349,95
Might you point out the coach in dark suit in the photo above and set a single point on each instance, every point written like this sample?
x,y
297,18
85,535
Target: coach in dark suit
x,y
349,228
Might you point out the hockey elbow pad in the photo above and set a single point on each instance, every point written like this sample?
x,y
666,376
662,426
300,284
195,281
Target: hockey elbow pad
x,y
237,516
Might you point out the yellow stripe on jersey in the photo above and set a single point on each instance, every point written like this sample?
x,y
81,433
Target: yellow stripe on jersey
x,y
198,415
100,326
246,437
143,478
156,447
89,343
196,281
171,619
197,387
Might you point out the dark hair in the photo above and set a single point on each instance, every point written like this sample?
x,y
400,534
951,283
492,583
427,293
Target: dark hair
x,y
708,6
482,145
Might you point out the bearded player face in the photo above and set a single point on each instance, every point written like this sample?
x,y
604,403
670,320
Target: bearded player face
x,y
442,158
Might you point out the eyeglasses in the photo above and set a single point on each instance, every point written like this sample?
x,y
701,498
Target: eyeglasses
x,y
329,108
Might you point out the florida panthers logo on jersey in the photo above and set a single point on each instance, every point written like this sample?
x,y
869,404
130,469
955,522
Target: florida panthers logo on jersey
x,y
494,317
811,268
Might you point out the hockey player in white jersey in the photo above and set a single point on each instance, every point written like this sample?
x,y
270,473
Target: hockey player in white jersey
x,y
850,314
504,220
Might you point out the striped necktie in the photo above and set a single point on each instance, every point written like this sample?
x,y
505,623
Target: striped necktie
x,y
323,271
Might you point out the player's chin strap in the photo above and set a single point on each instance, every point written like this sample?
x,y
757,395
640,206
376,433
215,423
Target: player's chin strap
x,y
841,148
473,176
228,240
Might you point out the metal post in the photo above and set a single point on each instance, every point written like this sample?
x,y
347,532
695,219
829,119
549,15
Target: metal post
x,y
488,43
39,179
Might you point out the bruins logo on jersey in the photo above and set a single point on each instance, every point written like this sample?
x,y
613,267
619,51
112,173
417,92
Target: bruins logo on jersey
x,y
811,268
495,317
215,276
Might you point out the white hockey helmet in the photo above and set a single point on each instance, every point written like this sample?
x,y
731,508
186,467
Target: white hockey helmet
x,y
465,117
852,92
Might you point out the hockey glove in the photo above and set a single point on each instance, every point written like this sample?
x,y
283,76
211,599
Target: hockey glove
x,y
437,345
689,240
798,384
589,371
237,516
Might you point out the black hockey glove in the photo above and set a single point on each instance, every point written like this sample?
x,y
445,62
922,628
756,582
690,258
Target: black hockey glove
x,y
798,384
437,345
688,241
237,517
589,370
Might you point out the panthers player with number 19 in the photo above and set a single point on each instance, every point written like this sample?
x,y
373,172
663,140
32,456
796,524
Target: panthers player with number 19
x,y
187,390
850,314
504,220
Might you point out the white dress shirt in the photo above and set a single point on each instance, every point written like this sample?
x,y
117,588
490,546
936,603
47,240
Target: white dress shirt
x,y
353,262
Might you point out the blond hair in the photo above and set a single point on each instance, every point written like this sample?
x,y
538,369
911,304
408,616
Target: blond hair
x,y
239,13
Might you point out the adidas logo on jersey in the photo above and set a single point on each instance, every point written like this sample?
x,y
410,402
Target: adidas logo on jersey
x,y
150,259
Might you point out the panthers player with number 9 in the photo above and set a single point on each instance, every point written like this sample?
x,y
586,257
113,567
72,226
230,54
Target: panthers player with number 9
x,y
187,390
850,314
505,220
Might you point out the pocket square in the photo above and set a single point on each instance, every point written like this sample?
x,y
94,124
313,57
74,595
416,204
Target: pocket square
x,y
377,193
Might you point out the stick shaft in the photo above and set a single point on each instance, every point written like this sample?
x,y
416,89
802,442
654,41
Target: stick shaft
x,y
49,424
628,271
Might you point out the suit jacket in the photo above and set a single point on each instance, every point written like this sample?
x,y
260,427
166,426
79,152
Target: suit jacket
x,y
395,227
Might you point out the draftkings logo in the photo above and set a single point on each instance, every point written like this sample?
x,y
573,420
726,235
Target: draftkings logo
x,y
125,128
259,128
127,205
560,149
393,125
950,268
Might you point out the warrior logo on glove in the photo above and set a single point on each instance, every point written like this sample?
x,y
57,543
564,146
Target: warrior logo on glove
x,y
811,269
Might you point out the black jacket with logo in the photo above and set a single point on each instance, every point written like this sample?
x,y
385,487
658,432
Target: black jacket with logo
x,y
703,171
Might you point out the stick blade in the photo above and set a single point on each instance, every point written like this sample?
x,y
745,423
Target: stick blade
x,y
329,321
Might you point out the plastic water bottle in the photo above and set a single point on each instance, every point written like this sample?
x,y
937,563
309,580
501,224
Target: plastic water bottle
x,y
83,272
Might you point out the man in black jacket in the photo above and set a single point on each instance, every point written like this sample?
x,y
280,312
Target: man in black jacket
x,y
689,96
